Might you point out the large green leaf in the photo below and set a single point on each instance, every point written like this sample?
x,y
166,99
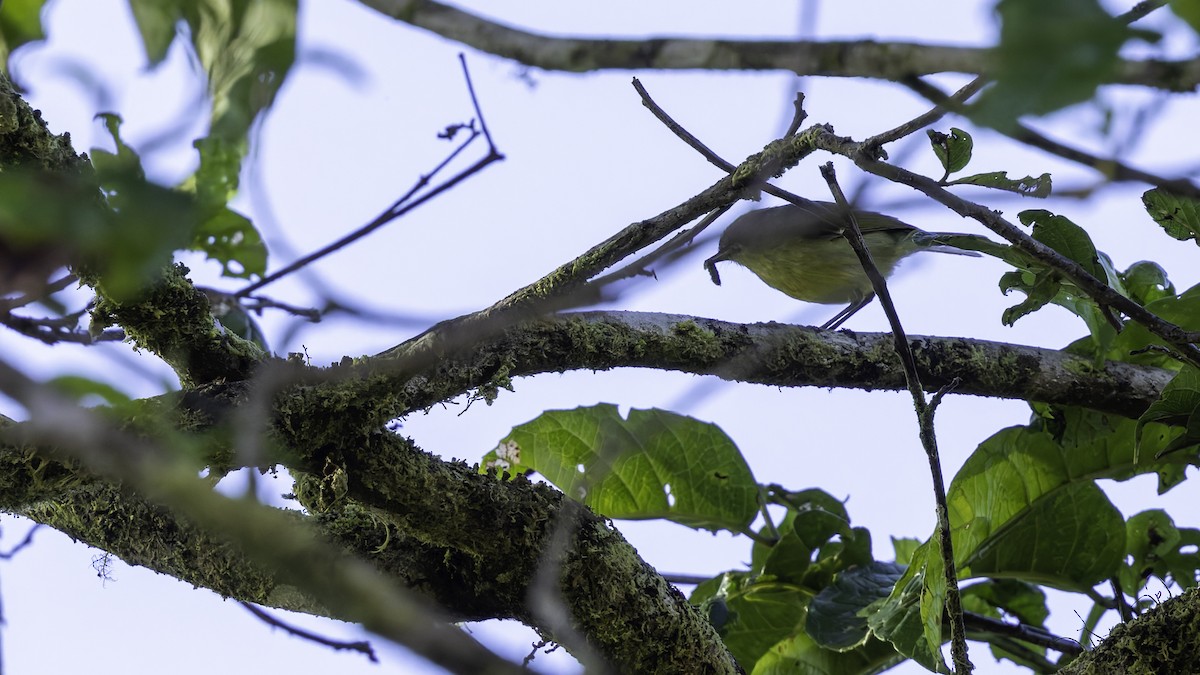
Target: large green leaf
x,y
800,654
656,464
1023,507
1051,55
158,22
903,618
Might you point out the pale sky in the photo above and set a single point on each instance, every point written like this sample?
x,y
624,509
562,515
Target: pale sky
x,y
355,126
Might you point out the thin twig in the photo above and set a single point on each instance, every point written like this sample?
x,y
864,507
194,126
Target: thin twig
x,y
1106,297
679,131
685,579
50,289
682,238
1031,634
936,113
362,646
398,208
958,639
26,541
1140,10
798,116
1112,169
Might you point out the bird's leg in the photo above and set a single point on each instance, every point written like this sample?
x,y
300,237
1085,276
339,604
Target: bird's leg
x,y
840,318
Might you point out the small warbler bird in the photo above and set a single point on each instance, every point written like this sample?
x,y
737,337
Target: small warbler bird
x,y
801,252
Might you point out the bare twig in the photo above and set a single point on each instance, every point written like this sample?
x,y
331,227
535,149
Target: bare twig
x,y
1031,634
402,205
1112,169
958,636
26,541
361,646
1106,297
921,121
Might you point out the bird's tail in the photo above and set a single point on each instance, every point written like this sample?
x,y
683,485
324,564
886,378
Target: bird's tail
x,y
953,242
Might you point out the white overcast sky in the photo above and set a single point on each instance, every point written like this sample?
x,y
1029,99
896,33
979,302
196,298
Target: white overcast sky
x,y
356,125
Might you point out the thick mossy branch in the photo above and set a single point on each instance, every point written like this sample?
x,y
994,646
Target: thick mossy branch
x,y
26,141
1165,639
771,353
173,320
501,528
144,534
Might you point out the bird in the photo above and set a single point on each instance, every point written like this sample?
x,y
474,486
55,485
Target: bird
x,y
801,252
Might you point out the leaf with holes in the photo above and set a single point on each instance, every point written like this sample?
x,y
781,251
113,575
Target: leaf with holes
x,y
655,464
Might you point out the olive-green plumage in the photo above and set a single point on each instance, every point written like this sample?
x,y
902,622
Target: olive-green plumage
x,y
801,252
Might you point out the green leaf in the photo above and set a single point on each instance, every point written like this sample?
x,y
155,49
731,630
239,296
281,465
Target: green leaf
x,y
953,150
836,616
231,239
901,618
20,23
122,164
147,223
1051,55
905,547
1065,237
1146,282
1182,310
80,388
1028,186
247,50
756,613
998,597
1178,405
158,22
1156,548
1040,290
656,464
800,654
1189,11
1178,216
1024,507
814,545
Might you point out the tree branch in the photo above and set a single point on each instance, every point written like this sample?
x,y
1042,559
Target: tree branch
x,y
770,353
860,58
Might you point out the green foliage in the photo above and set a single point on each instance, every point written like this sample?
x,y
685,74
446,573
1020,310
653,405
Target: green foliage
x,y
1044,285
954,150
1189,11
246,50
82,388
1178,216
224,235
1155,547
1028,186
656,464
20,23
1078,37
798,605
1179,405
